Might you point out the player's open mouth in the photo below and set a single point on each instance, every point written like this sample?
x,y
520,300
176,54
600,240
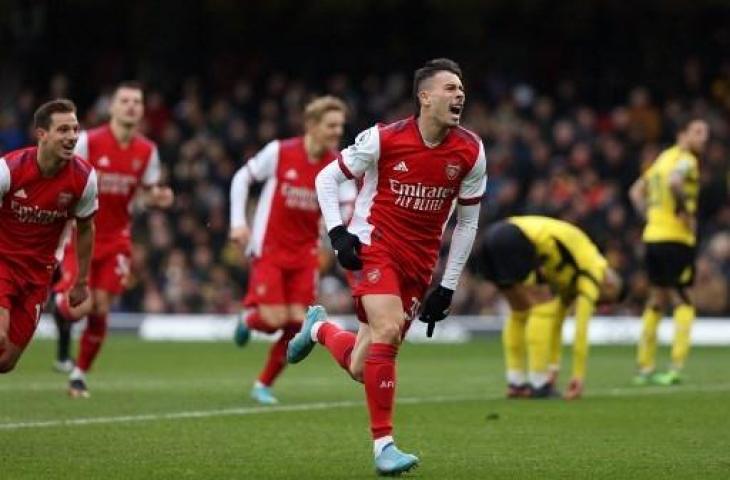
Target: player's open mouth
x,y
456,109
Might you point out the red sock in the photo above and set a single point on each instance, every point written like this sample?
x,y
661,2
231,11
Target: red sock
x,y
277,354
379,376
255,322
91,340
339,343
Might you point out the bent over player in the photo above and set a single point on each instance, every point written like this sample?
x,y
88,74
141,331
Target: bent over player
x,y
284,241
543,265
411,171
41,188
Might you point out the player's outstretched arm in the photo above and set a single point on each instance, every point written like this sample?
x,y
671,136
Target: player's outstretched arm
x,y
438,302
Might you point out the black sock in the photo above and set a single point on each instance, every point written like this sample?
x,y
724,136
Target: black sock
x,y
64,337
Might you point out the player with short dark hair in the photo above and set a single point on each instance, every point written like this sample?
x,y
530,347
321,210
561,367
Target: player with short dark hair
x,y
666,194
283,243
542,266
41,188
412,172
124,160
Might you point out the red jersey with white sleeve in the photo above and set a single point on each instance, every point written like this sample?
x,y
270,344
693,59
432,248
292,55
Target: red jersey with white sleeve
x,y
409,188
286,225
34,210
121,170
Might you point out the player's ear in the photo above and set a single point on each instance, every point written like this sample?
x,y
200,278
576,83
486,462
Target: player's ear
x,y
424,97
40,134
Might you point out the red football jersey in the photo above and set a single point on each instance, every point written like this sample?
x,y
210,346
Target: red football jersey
x,y
408,188
286,224
120,172
34,209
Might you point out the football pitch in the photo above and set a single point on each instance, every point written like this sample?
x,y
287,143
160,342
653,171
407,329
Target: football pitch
x,y
181,410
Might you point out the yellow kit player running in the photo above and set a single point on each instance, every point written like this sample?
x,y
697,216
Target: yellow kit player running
x,y
542,266
667,195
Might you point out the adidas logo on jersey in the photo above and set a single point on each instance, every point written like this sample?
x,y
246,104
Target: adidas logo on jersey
x,y
291,174
21,194
401,167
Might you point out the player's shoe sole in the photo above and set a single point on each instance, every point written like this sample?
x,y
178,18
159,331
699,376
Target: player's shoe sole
x,y
77,389
392,462
302,344
518,391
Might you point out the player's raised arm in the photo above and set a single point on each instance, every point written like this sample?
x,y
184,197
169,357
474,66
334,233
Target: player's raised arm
x,y
353,163
259,168
437,304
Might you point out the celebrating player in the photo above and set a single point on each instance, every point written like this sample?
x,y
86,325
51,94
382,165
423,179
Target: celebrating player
x,y
40,189
284,240
666,194
411,173
542,266
124,159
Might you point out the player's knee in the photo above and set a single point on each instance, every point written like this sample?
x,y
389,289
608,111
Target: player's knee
x,y
275,318
390,332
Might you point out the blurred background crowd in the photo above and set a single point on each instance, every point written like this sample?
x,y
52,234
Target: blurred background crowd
x,y
565,141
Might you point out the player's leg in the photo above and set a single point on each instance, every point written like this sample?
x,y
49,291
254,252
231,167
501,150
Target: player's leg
x,y
91,342
9,352
540,327
514,345
386,318
276,360
684,314
556,343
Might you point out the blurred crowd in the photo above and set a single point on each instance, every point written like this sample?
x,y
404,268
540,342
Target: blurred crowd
x,y
548,153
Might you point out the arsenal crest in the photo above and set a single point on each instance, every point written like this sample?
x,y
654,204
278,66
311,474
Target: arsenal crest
x,y
64,198
452,171
373,275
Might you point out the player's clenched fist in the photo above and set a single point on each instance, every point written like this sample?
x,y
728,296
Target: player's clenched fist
x,y
78,294
347,247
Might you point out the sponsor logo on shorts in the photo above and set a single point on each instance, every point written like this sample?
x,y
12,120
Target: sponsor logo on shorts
x,y
374,275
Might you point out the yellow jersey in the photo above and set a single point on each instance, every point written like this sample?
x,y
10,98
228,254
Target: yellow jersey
x,y
662,222
570,262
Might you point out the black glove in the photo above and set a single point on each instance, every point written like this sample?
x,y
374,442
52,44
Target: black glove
x,y
347,248
436,307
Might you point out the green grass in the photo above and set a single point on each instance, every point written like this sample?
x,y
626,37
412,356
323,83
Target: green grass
x,y
452,394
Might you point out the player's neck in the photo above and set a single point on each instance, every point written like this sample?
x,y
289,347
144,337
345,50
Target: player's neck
x,y
122,133
48,164
432,132
314,150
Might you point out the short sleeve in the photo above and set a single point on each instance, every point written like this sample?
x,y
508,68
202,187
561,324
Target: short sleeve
x,y
361,155
151,174
82,146
4,179
263,164
89,202
475,182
